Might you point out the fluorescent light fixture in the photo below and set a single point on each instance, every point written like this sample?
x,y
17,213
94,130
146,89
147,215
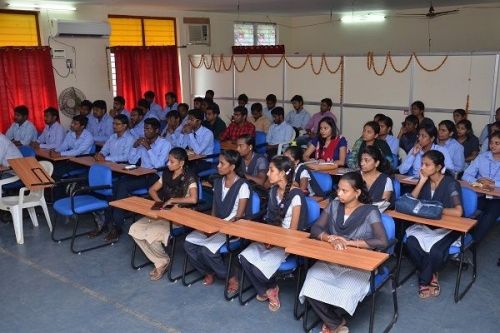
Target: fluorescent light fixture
x,y
362,18
49,6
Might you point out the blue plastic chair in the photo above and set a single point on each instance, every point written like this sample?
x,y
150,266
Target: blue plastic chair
x,y
324,181
27,151
397,188
260,142
215,160
395,161
85,200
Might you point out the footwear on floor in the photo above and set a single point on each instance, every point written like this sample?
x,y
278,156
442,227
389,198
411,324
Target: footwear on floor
x,y
233,287
159,272
209,279
113,235
274,301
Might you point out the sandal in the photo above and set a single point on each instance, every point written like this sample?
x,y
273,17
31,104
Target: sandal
x,y
261,298
159,272
424,292
233,287
435,287
325,329
274,301
208,279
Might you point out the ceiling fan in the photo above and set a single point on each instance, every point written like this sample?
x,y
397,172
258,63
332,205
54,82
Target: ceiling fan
x,y
432,13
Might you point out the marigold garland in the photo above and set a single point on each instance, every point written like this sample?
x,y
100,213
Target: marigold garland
x,y
370,63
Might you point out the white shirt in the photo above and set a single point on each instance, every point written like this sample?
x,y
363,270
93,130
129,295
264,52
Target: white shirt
x,y
244,193
8,150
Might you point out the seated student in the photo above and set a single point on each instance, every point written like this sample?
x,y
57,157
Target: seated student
x,y
270,105
261,123
378,117
328,146
154,108
213,122
413,161
198,139
302,176
117,147
459,115
173,131
261,261
21,132
137,123
119,108
375,171
183,109
491,129
465,136
144,105
298,117
254,166
385,133
8,150
408,133
428,247
418,109
78,141
349,221
324,111
239,125
369,138
177,185
445,139
230,202
279,132
53,133
171,100
101,125
243,101
85,109
151,151
197,102
485,170
486,130
210,94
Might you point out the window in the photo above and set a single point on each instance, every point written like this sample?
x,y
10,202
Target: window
x,y
19,28
251,34
141,31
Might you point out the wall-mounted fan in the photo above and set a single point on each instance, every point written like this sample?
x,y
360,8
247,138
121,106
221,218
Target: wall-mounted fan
x,y
69,100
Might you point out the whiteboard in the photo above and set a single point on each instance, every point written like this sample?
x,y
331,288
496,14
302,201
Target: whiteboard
x,y
258,84
203,79
313,87
448,87
363,86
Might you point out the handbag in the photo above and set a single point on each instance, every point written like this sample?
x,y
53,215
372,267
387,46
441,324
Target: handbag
x,y
428,209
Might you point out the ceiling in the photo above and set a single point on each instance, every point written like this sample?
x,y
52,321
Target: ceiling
x,y
282,7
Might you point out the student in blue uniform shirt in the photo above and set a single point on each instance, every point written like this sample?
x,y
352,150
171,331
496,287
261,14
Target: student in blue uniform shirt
x,y
155,108
53,133
21,132
386,124
78,141
137,123
117,147
101,125
171,99
173,131
197,138
445,139
298,117
270,105
119,107
85,109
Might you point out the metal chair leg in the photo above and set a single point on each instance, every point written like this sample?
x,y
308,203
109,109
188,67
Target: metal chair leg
x,y
132,261
172,258
185,273
80,251
459,295
244,289
297,315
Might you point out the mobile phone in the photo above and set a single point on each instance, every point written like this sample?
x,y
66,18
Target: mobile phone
x,y
157,205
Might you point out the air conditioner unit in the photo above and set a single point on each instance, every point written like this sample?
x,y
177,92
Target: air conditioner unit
x,y
64,28
199,34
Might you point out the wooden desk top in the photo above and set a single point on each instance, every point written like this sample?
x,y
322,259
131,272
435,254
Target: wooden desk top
x,y
228,145
31,173
264,233
4,168
461,224
408,180
192,156
322,167
137,205
45,154
362,259
115,167
193,219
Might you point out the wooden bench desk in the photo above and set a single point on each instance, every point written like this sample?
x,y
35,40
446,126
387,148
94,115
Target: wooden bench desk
x,y
193,219
136,205
460,224
31,173
115,167
45,154
192,156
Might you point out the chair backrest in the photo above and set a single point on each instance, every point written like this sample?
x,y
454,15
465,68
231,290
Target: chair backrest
x,y
48,167
402,154
101,175
395,161
390,230
324,181
469,201
27,151
313,211
92,149
260,142
397,188
200,190
255,203
217,148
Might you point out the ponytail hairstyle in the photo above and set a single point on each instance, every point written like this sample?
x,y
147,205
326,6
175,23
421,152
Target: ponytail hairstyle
x,y
356,181
296,153
234,158
283,163
437,158
376,154
180,154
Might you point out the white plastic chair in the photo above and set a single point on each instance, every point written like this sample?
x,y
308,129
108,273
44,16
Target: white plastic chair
x,y
16,204
284,145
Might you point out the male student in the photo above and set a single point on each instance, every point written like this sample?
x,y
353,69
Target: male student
x,y
78,141
21,132
197,103
117,147
198,138
279,132
270,105
260,122
85,109
152,152
183,109
418,109
408,133
155,108
171,99
144,105
101,125
324,111
119,107
243,101
213,122
8,150
298,117
53,133
173,131
239,125
137,123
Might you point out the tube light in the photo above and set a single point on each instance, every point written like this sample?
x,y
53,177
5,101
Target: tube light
x,y
49,6
363,18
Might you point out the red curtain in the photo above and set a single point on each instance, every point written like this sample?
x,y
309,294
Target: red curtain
x,y
139,69
26,78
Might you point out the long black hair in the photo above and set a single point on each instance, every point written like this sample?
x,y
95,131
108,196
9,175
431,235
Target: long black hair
x,y
468,127
296,153
180,154
377,155
331,122
437,158
356,181
234,158
283,163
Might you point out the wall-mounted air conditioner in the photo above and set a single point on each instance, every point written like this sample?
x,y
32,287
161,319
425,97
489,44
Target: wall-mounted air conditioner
x,y
63,28
198,30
